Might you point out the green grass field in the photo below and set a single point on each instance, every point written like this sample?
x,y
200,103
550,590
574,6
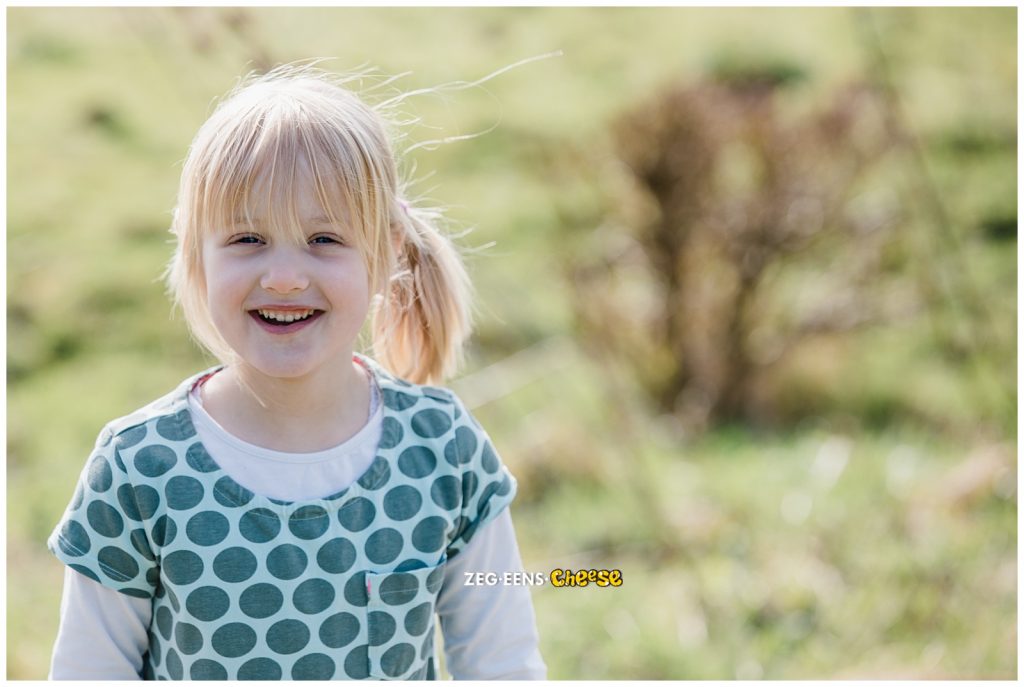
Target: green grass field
x,y
875,539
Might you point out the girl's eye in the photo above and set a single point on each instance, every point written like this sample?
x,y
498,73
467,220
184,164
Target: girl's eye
x,y
246,239
326,240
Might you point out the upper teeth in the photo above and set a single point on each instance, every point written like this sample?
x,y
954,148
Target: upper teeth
x,y
290,316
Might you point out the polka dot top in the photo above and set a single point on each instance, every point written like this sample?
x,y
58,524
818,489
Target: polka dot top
x,y
249,587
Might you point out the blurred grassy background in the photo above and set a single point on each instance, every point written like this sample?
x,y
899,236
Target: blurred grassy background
x,y
874,537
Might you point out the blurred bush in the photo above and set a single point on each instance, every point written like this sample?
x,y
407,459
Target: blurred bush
x,y
745,236
741,195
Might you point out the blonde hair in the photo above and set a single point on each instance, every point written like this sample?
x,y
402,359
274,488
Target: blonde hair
x,y
299,124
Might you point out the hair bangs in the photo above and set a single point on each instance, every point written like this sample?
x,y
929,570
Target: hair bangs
x,y
251,174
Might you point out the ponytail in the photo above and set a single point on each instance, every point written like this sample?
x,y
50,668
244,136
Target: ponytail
x,y
424,319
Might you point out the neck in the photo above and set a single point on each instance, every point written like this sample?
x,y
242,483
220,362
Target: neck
x,y
295,414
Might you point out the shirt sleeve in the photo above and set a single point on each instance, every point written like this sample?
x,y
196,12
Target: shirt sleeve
x,y
490,632
102,534
102,635
487,485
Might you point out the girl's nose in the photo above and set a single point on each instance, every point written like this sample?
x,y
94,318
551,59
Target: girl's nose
x,y
284,274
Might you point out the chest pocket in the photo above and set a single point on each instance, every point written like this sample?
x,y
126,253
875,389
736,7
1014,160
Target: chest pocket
x,y
400,619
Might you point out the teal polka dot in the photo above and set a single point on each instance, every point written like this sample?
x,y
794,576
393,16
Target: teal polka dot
x,y
381,627
355,590
183,492
470,483
391,433
287,636
229,494
259,525
357,663
485,497
417,461
119,565
208,603
504,487
459,528
465,443
100,477
309,522
357,514
175,604
137,593
233,640
376,476
339,630
138,503
336,556
489,459
141,544
428,535
205,669
313,596
313,667
398,400
153,578
261,600
81,569
402,502
398,659
174,667
451,453
234,565
483,515
286,562
384,545
164,622
154,650
118,463
410,564
199,460
437,393
418,618
177,427
446,492
132,436
430,423
182,567
126,499
260,669
155,460
188,638
73,539
207,528
398,589
164,530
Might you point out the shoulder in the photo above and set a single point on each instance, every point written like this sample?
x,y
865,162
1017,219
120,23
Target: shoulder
x,y
401,395
167,416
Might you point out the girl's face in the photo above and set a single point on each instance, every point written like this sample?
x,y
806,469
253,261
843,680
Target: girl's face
x,y
287,311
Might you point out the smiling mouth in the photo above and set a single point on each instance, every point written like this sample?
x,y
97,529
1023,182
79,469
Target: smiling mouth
x,y
279,318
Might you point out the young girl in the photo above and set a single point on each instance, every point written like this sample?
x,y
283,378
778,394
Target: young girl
x,y
299,511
